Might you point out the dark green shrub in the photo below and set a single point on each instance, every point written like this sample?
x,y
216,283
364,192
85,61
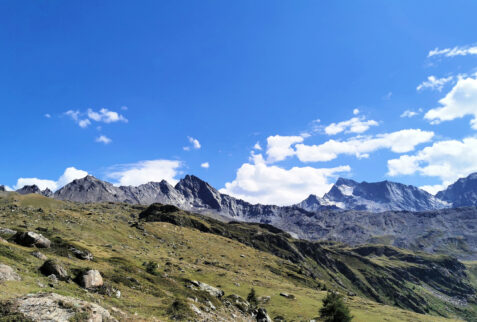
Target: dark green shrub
x,y
334,309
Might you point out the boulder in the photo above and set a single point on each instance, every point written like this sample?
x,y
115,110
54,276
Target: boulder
x,y
8,274
52,267
56,308
90,279
7,231
82,254
39,255
288,296
209,289
31,239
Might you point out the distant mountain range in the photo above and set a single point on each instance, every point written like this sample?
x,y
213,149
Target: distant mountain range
x,y
351,212
193,193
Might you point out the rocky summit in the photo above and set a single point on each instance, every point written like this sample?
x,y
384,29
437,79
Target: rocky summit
x,y
375,197
461,193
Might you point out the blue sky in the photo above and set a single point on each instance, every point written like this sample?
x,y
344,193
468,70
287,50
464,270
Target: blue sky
x,y
134,92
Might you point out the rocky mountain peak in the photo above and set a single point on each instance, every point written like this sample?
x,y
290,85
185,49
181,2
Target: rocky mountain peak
x,y
29,189
380,196
461,193
199,193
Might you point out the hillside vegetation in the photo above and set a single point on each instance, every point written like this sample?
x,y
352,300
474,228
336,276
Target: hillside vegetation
x,y
154,255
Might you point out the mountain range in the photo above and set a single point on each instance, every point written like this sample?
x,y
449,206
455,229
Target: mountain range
x,y
351,212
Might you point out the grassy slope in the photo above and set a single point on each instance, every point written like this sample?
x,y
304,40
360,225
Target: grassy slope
x,y
181,253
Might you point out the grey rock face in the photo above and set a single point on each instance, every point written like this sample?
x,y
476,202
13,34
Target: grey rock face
x,y
213,291
461,193
2,188
381,196
31,239
58,308
7,273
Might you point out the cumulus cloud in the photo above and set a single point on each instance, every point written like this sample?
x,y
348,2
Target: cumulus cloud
x,y
280,147
355,111
47,115
354,125
103,115
205,165
195,144
456,51
459,102
259,182
106,116
257,146
145,171
434,83
400,142
103,139
69,175
447,160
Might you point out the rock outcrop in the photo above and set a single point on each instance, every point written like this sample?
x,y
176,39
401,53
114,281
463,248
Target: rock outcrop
x,y
56,308
7,273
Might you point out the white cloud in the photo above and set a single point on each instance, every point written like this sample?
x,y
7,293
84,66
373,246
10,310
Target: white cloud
x,y
205,165
194,144
400,142
354,125
103,139
447,160
145,171
280,147
124,108
69,175
434,83
84,123
459,102
257,146
47,115
355,111
41,183
433,189
106,116
456,51
410,113
258,182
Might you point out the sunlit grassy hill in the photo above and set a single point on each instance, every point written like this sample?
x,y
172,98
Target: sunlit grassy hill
x,y
380,283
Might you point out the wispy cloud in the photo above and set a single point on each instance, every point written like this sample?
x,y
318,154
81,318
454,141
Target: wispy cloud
x,y
205,165
452,52
411,113
434,83
195,144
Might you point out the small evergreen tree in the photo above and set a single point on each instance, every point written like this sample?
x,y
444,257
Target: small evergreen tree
x,y
334,309
252,299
